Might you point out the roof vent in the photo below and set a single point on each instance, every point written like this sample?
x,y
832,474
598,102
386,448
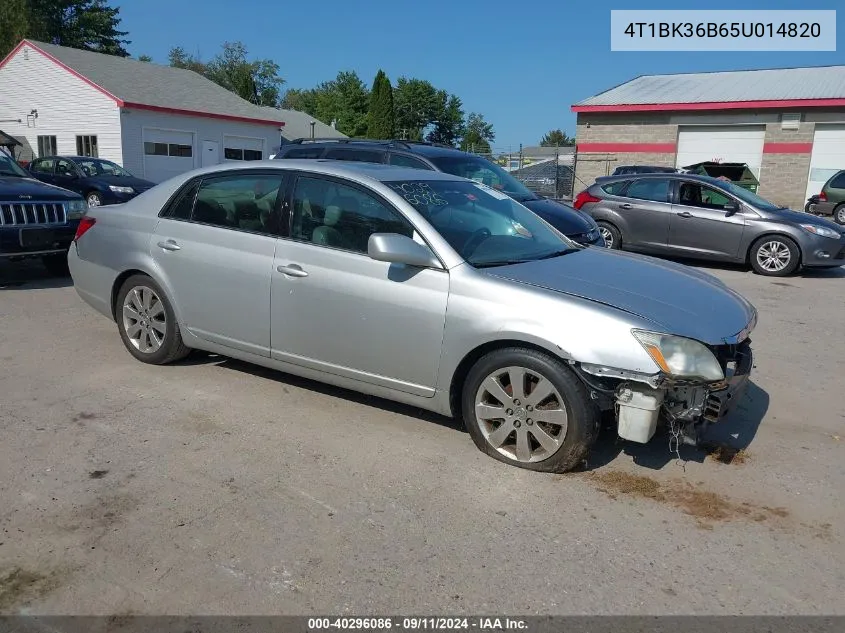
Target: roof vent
x,y
790,121
26,52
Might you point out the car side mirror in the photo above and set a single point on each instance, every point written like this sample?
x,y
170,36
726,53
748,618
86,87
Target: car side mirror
x,y
401,249
731,208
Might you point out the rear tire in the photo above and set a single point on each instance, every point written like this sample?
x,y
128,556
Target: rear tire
x,y
775,256
612,236
839,214
56,264
527,409
147,323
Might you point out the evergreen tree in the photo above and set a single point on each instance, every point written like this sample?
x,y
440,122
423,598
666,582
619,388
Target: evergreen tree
x,y
90,25
14,24
381,122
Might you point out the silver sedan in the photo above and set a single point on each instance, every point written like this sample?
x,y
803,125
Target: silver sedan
x,y
423,288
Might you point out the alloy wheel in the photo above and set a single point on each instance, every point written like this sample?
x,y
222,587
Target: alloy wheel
x,y
840,215
94,200
773,256
144,319
607,235
521,414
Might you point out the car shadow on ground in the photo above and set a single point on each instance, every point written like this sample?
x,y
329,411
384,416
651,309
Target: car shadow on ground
x,y
742,268
724,441
204,358
29,275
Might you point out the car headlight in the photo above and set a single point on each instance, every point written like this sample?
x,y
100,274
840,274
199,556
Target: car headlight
x,y
680,357
76,209
117,189
815,229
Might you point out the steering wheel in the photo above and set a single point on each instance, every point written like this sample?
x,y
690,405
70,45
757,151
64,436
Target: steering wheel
x,y
474,241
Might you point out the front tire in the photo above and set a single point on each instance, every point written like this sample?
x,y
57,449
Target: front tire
x,y
527,409
775,256
56,264
612,236
147,323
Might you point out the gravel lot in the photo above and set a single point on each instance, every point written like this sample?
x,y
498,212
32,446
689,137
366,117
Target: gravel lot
x,y
214,487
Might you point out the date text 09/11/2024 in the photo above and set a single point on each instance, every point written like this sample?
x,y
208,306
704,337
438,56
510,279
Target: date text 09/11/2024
x,y
417,624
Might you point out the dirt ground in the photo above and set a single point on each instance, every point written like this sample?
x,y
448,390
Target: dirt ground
x,y
213,487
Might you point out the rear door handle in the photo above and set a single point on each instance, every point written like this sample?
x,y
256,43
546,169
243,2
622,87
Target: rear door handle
x,y
293,270
625,206
685,214
169,245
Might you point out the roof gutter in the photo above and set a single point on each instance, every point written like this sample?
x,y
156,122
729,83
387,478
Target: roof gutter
x,y
713,105
197,113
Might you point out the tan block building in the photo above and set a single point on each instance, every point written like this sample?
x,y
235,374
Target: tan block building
x,y
788,125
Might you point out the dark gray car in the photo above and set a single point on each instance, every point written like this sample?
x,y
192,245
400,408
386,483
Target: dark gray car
x,y
685,215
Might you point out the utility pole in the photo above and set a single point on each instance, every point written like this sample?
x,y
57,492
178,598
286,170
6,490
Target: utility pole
x,y
520,155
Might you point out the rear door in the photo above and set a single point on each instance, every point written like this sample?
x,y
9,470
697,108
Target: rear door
x,y
646,209
701,226
42,169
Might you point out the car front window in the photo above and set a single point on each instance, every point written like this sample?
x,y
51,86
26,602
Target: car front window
x,y
483,171
8,167
102,168
485,226
748,197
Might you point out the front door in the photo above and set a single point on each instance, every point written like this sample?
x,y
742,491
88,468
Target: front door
x,y
701,226
210,153
67,175
646,210
215,248
336,310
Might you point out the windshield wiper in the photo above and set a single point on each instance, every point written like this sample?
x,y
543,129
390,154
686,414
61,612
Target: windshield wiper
x,y
501,262
563,251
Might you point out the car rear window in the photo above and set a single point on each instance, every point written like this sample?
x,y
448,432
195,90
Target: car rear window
x,y
303,152
362,155
615,188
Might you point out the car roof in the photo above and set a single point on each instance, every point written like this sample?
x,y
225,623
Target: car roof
x,y
373,171
658,176
413,147
73,158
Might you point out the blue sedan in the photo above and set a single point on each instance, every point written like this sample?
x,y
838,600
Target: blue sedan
x,y
99,181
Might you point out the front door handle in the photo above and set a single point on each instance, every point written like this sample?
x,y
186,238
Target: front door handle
x,y
169,245
685,214
293,270
625,206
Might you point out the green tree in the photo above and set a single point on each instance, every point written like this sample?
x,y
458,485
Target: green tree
x,y
479,134
381,122
302,100
178,57
345,99
449,124
14,24
556,138
417,104
91,25
144,58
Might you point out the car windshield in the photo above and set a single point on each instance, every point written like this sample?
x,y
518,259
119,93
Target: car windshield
x,y
99,167
483,171
485,226
748,197
8,167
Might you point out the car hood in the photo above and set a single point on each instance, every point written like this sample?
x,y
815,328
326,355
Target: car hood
x,y
569,221
138,184
16,189
800,217
678,299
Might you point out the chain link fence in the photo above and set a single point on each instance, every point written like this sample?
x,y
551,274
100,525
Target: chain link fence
x,y
547,171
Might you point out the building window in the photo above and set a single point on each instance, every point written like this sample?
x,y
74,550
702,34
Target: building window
x,y
168,149
86,146
47,146
236,153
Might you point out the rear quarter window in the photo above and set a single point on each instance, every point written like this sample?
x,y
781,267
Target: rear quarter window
x,y
615,188
303,152
838,181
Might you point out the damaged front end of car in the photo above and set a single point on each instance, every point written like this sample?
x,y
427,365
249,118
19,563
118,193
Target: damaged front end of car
x,y
697,386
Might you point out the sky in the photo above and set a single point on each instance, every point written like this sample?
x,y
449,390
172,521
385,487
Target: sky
x,y
520,63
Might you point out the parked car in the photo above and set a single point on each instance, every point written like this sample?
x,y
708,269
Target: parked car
x,y
831,200
420,287
695,216
643,169
36,219
577,226
99,181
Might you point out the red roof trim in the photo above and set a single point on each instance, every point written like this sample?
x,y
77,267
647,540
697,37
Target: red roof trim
x,y
632,148
787,148
713,105
61,65
207,115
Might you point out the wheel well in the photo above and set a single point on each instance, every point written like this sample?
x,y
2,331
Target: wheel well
x,y
759,237
464,367
118,283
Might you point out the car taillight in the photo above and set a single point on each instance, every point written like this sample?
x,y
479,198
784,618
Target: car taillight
x,y
583,198
822,197
84,224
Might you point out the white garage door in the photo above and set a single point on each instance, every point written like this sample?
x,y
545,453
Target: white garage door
x,y
167,153
243,148
722,144
828,156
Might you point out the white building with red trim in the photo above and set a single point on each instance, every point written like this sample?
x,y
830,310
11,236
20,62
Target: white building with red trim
x,y
156,121
787,124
